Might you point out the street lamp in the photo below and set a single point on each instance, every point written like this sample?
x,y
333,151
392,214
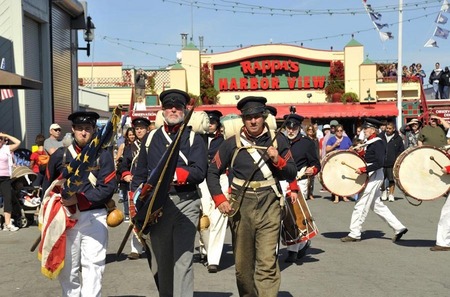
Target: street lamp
x,y
88,36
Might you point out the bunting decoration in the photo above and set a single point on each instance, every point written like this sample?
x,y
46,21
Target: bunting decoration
x,y
5,93
375,17
441,19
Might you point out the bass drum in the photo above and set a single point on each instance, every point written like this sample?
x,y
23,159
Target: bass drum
x,y
298,223
417,172
338,174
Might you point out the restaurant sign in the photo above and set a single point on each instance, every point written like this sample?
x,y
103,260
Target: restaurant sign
x,y
268,73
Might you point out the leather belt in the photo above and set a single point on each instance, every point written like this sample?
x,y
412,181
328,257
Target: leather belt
x,y
254,184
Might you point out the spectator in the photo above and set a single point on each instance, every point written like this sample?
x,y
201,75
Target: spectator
x,y
394,147
444,83
37,162
434,80
140,104
326,132
420,73
380,74
434,134
52,143
141,76
312,134
6,165
411,132
405,72
319,133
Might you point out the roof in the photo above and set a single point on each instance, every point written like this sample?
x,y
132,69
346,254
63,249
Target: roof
x,y
353,42
15,81
307,110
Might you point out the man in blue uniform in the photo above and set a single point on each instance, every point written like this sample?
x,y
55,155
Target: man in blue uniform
x,y
126,170
212,239
86,242
173,236
255,224
370,199
305,155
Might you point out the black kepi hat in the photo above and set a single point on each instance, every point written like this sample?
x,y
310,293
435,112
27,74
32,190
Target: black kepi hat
x,y
293,120
214,115
84,117
252,105
140,122
372,123
174,97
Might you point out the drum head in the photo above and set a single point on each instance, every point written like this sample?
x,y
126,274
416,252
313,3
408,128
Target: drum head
x,y
338,174
418,174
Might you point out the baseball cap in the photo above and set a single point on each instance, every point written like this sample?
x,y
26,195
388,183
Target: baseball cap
x,y
54,126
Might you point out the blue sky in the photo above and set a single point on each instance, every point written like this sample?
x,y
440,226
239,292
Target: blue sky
x,y
146,33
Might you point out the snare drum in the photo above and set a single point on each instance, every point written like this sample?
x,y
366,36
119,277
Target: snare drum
x,y
417,172
338,174
298,224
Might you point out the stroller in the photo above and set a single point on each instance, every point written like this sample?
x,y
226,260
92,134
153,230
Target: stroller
x,y
25,198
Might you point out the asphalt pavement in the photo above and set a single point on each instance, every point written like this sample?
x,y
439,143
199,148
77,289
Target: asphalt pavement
x,y
372,267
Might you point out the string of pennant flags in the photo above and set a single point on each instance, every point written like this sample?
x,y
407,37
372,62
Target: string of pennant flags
x,y
375,17
441,19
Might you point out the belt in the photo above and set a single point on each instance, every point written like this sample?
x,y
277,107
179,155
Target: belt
x,y
255,185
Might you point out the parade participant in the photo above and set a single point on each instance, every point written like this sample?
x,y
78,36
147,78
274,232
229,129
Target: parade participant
x,y
370,198
126,171
86,242
305,154
255,226
173,236
443,229
213,237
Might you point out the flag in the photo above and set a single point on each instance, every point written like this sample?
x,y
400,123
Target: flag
x,y
381,26
441,19
375,16
5,93
445,6
441,33
386,36
431,43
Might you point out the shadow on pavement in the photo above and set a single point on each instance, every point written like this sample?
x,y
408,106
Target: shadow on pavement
x,y
212,294
415,242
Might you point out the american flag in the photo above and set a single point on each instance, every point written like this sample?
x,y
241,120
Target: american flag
x,y
5,93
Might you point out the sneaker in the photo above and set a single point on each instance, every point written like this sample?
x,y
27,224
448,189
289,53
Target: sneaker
x,y
438,248
212,268
399,235
391,198
127,219
10,227
350,239
384,196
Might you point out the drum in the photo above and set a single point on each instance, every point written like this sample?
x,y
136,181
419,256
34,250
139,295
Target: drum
x,y
298,224
417,172
338,174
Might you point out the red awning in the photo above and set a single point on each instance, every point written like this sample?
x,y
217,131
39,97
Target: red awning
x,y
310,110
323,110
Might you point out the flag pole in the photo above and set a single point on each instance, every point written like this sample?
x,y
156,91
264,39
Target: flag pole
x,y
400,65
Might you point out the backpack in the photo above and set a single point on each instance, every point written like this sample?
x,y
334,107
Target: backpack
x,y
42,161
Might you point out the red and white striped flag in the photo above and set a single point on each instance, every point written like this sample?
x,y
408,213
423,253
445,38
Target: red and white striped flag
x,y
5,93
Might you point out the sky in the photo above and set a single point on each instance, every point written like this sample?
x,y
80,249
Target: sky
x,y
146,33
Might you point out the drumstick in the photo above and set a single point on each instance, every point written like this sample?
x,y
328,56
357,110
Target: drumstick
x,y
343,163
432,159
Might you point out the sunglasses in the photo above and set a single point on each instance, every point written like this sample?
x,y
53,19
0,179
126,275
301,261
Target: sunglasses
x,y
339,130
253,116
57,130
171,105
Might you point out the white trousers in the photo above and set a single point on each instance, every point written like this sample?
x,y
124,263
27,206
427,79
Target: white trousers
x,y
86,245
303,185
136,246
212,239
370,199
443,230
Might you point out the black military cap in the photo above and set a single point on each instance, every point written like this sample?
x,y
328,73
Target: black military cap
x,y
273,111
372,123
174,97
214,116
83,117
252,105
140,122
293,120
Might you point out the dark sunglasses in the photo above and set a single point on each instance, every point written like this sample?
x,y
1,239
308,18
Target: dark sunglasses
x,y
171,105
57,130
